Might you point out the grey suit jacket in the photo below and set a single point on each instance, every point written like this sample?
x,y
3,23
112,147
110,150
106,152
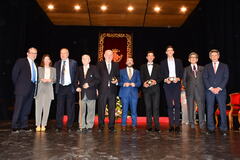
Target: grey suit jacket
x,y
191,83
46,88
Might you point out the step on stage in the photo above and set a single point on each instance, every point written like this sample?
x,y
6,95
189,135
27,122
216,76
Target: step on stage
x,y
189,144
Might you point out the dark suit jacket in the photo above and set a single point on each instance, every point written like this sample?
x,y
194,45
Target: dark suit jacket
x,y
105,78
92,78
165,70
21,77
191,83
219,79
73,73
155,76
129,91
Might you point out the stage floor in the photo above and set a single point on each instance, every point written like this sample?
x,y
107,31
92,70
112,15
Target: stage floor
x,y
95,145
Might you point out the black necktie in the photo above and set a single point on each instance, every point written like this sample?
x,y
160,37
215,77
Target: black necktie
x,y
62,73
194,71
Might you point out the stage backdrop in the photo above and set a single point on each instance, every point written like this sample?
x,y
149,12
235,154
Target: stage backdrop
x,y
119,43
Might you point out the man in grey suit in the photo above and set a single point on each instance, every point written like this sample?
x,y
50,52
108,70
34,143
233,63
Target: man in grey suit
x,y
193,83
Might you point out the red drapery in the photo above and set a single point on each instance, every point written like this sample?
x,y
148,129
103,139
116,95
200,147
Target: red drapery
x,y
119,43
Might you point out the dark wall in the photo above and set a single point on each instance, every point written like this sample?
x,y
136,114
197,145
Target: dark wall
x,y
214,24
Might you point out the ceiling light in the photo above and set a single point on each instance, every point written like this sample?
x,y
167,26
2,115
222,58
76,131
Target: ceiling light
x,y
157,9
50,7
77,7
183,9
130,8
103,7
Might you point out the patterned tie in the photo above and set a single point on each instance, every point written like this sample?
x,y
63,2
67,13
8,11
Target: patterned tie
x,y
215,67
194,71
33,73
85,72
129,73
62,73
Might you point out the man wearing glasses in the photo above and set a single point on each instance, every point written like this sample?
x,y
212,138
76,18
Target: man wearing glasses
x,y
193,83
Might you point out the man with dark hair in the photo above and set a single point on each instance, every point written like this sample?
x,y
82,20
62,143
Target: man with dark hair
x,y
24,77
129,83
171,71
215,77
193,83
150,77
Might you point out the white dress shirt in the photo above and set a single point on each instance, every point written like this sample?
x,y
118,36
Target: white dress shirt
x,y
109,66
67,76
171,67
150,68
30,63
195,66
85,69
217,64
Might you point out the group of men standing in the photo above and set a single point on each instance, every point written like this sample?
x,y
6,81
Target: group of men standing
x,y
101,83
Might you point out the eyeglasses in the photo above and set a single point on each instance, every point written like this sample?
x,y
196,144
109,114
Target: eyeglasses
x,y
193,57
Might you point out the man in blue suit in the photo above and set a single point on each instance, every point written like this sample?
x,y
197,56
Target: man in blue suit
x,y
215,77
66,71
129,83
24,77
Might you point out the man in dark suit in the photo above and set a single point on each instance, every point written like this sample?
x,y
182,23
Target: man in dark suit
x,y
87,81
215,77
109,72
172,71
193,83
66,71
24,77
129,83
151,77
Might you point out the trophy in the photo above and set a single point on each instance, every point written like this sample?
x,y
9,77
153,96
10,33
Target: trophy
x,y
171,78
149,82
114,78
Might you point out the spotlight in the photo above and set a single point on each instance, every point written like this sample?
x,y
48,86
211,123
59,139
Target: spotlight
x,y
103,7
157,9
77,7
130,8
183,9
50,7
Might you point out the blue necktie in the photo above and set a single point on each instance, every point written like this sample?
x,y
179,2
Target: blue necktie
x,y
33,73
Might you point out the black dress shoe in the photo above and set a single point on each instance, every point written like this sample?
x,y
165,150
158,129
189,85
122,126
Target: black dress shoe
x,y
171,129
157,130
177,129
209,132
111,129
89,129
124,128
70,130
134,128
26,130
224,133
149,129
58,129
15,130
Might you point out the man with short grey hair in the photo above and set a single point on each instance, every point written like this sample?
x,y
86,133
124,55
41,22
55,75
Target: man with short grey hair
x,y
193,83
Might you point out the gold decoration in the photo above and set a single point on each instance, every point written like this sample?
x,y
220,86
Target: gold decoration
x,y
114,35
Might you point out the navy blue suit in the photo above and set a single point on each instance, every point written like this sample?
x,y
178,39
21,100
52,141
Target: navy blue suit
x,y
220,80
66,94
129,95
24,92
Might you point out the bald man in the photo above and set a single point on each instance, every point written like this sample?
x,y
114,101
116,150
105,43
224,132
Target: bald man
x,y
66,71
24,77
109,72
